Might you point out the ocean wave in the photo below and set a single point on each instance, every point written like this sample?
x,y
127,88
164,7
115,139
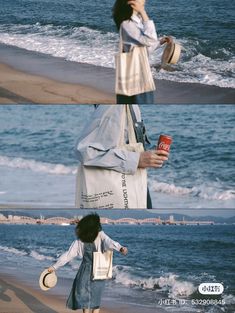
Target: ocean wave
x,y
208,193
33,254
40,257
79,44
229,299
85,45
168,283
12,250
201,69
35,166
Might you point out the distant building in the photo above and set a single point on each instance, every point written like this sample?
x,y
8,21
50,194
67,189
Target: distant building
x,y
172,219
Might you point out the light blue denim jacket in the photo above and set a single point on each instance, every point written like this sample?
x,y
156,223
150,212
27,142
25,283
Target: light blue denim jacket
x,y
97,145
135,32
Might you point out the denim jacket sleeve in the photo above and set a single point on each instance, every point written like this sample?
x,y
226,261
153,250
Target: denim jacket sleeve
x,y
98,143
137,33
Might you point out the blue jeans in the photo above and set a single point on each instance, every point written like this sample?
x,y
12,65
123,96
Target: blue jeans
x,y
142,98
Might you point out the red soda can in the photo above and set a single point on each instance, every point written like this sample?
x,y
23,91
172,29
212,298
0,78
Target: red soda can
x,y
164,143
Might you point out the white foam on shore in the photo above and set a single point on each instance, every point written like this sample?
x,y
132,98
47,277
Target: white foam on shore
x,y
168,283
208,193
85,45
35,166
12,250
34,254
229,299
40,257
211,193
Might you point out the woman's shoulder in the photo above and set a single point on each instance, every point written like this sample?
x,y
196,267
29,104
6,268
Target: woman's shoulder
x,y
127,24
77,242
102,235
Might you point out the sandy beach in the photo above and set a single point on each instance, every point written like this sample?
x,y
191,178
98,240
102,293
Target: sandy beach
x,y
25,297
29,77
21,87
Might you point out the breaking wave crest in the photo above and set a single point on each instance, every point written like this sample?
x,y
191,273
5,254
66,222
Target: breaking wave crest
x,y
35,166
203,192
168,283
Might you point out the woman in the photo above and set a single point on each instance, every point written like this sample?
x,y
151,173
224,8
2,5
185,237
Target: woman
x,y
86,293
136,29
98,144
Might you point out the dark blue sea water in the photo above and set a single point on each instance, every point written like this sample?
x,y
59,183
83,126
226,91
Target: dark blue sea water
x,y
38,164
164,262
84,31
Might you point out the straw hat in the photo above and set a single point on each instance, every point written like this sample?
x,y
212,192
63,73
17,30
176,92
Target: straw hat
x,y
47,280
171,53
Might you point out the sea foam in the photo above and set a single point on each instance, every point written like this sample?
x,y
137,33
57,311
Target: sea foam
x,y
86,45
201,191
169,283
12,250
40,257
35,166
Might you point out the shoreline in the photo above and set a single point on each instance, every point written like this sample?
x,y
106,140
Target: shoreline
x,y
32,77
17,87
17,296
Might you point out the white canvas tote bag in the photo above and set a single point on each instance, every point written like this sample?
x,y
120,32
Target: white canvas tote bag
x,y
99,188
102,265
133,72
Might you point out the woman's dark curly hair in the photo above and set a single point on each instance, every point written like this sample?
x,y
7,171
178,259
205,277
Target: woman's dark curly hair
x,y
88,227
122,11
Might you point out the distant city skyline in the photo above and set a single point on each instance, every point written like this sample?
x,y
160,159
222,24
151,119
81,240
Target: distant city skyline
x,y
115,213
226,213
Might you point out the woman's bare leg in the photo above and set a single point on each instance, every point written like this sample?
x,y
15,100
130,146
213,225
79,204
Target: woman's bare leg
x,y
86,310
96,311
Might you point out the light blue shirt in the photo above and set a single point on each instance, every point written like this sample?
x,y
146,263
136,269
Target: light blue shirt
x,y
99,140
135,32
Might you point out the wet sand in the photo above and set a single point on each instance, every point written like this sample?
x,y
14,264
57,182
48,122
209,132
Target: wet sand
x,y
20,87
21,297
30,77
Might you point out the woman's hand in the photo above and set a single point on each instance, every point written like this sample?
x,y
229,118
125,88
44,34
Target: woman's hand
x,y
50,269
124,250
165,39
153,158
137,5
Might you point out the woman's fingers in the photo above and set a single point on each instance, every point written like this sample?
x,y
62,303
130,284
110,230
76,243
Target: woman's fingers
x,y
136,5
153,158
124,251
50,269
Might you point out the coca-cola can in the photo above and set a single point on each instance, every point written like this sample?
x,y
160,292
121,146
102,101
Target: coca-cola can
x,y
164,143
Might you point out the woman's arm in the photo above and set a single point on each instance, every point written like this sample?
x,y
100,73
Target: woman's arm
x,y
146,36
138,6
98,144
111,244
133,32
76,249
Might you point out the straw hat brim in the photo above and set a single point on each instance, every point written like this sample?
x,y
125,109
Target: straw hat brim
x,y
53,280
171,53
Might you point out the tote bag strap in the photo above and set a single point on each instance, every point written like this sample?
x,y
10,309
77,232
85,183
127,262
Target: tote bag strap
x,y
121,44
98,244
130,125
120,40
126,119
140,130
